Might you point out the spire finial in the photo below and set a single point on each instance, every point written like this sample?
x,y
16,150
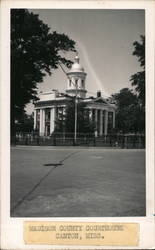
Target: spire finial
x,y
77,59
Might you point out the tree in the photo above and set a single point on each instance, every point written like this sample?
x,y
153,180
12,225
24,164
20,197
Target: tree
x,y
25,124
125,98
129,113
138,79
84,125
35,52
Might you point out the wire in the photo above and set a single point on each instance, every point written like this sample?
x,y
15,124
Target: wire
x,y
66,74
94,93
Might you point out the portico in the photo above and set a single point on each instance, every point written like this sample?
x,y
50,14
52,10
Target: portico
x,y
46,117
103,118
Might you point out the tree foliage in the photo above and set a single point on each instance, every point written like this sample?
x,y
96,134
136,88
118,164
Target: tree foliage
x,y
67,124
35,52
130,113
138,79
125,98
25,123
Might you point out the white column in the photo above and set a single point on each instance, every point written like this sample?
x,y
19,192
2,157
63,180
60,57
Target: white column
x,y
90,115
43,122
35,119
113,123
96,116
52,120
101,122
55,115
64,112
96,132
40,127
105,122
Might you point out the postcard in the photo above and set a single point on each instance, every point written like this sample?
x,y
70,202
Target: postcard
x,y
77,124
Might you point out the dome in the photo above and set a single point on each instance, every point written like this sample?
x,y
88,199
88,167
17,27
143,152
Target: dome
x,y
76,67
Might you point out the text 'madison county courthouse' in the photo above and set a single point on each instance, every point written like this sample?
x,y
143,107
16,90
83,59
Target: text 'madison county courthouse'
x,y
52,105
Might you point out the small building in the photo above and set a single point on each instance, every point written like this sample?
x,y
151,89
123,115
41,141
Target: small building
x,y
52,105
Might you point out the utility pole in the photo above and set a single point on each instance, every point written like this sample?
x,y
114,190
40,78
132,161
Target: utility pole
x,y
75,123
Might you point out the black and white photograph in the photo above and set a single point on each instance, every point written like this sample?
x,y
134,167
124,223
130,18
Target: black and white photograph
x,y
77,124
77,113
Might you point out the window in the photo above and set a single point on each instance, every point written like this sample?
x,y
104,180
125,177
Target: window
x,y
47,115
76,81
82,83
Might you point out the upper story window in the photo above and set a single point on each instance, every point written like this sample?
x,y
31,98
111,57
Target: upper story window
x,y
47,115
76,81
82,83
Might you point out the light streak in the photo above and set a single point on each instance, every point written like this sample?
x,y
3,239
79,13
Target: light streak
x,y
91,69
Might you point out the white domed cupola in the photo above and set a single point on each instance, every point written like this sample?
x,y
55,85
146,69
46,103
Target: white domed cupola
x,y
76,67
76,79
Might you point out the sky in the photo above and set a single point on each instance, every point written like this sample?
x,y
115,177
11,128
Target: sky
x,y
104,39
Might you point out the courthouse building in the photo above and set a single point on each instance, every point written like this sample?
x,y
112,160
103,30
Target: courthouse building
x,y
52,105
